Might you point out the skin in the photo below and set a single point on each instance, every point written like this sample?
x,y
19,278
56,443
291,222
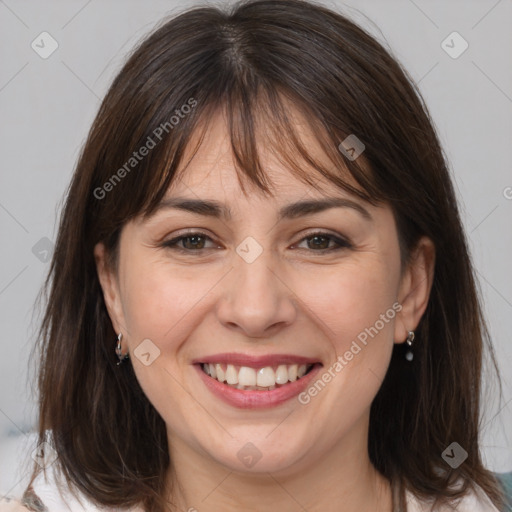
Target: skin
x,y
294,298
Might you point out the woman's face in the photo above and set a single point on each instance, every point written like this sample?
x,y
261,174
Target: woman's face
x,y
255,289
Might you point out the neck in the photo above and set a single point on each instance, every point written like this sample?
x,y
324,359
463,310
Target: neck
x,y
343,479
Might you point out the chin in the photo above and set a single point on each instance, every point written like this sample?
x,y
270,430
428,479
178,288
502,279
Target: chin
x,y
251,451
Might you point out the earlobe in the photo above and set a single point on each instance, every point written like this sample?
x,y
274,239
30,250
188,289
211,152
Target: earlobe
x,y
109,286
415,288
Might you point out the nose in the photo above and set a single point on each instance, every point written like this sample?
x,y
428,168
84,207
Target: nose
x,y
256,300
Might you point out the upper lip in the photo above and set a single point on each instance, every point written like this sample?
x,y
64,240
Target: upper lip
x,y
255,361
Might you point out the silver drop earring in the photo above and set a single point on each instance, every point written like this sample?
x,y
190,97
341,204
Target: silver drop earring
x,y
119,350
410,339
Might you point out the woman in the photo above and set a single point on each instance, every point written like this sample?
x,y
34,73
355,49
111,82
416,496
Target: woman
x,y
261,296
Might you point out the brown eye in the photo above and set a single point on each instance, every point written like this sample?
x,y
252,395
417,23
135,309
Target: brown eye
x,y
192,242
321,242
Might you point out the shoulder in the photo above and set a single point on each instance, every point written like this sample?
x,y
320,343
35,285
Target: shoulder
x,y
8,504
475,500
49,493
56,496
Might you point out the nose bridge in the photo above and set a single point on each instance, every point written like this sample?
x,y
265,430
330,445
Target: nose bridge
x,y
256,298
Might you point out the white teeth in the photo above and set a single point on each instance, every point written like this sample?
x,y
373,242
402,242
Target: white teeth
x,y
221,376
231,375
292,372
247,376
265,377
282,374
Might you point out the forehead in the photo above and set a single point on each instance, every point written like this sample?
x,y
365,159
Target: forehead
x,y
209,163
209,184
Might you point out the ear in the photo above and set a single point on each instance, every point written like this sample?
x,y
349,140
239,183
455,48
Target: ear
x,y
110,286
415,287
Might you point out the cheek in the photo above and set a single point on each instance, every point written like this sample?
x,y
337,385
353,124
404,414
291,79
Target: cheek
x,y
157,298
352,299
354,308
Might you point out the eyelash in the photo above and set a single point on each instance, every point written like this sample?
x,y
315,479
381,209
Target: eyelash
x,y
342,243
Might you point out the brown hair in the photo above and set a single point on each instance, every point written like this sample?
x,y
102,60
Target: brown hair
x,y
250,61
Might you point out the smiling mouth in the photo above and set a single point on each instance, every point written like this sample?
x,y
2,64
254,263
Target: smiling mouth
x,y
246,378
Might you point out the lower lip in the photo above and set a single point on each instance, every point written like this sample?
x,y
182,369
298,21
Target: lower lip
x,y
257,399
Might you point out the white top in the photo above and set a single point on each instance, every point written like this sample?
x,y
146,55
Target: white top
x,y
57,500
54,498
474,501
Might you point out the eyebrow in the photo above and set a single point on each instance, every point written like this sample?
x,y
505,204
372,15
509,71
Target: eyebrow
x,y
212,208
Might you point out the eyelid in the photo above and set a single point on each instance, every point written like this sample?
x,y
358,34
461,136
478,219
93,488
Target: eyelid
x,y
342,242
173,242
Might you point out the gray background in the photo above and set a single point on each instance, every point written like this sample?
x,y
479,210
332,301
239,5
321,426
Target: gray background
x,y
47,106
